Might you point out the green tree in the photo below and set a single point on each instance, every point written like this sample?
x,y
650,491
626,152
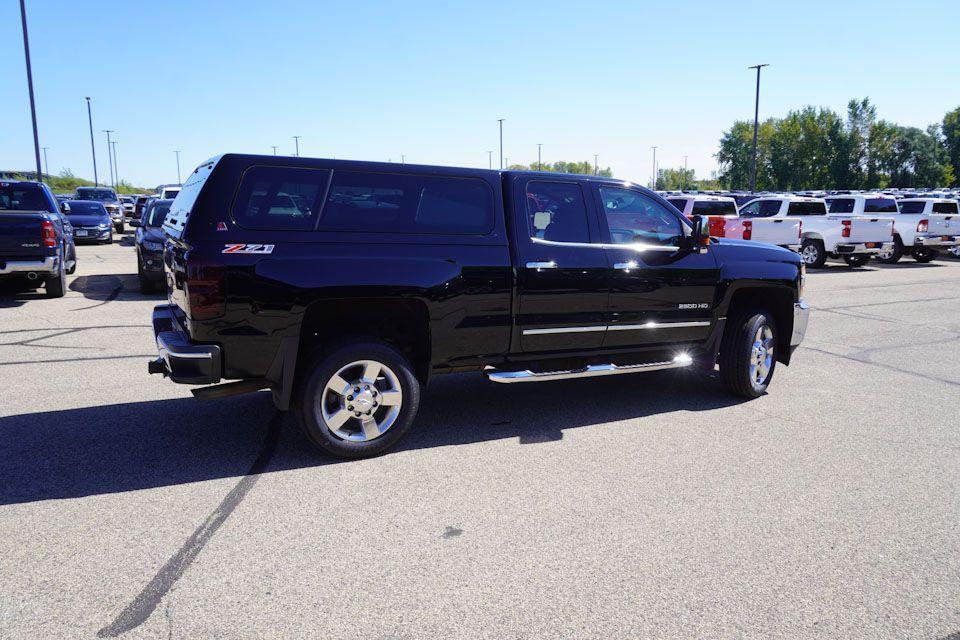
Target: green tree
x,y
562,166
734,155
675,179
951,142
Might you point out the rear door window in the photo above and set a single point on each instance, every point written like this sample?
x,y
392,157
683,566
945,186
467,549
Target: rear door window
x,y
880,205
800,208
402,203
840,205
945,207
556,211
278,198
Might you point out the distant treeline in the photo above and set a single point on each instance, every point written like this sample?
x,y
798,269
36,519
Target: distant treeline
x,y
66,182
816,148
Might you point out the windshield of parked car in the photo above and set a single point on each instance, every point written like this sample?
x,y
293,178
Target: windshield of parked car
x,y
85,208
100,195
880,205
158,211
22,197
715,208
912,207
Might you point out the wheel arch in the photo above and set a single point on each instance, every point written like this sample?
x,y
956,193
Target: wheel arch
x,y
775,298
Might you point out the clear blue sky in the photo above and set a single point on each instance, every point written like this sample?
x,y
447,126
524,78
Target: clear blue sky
x,y
374,80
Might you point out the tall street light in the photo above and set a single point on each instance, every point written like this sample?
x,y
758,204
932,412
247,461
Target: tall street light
x,y
539,164
654,187
93,147
46,163
296,141
500,120
177,153
683,183
109,154
756,126
489,159
116,166
403,159
33,107
596,169
274,147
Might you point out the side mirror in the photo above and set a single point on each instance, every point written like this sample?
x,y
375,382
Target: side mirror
x,y
134,222
698,238
64,207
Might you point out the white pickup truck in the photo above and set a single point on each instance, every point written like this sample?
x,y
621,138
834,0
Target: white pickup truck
x,y
723,220
919,227
853,238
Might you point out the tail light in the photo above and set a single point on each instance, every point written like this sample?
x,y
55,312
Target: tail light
x,y
717,227
48,233
922,226
205,290
846,228
747,230
800,230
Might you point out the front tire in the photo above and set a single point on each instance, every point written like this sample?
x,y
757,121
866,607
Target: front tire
x,y
358,400
924,255
748,353
813,253
857,260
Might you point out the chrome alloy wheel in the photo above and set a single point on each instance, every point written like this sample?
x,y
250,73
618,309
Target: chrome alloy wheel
x,y
885,254
360,401
809,254
761,355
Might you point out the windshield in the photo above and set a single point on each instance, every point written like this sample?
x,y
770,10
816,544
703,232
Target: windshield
x,y
100,195
157,213
22,197
880,205
715,208
912,207
85,208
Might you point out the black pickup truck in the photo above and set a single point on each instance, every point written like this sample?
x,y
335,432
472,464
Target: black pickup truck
x,y
36,241
345,286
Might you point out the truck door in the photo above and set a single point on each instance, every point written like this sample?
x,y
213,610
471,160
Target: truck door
x,y
561,266
659,294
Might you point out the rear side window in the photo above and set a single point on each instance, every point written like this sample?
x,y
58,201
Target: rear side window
x,y
945,207
400,203
840,205
912,207
556,211
279,198
714,208
806,209
679,203
880,205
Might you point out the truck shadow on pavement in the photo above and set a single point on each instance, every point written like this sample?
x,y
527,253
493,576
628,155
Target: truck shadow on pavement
x,y
125,447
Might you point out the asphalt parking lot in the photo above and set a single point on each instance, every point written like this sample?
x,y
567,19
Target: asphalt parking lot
x,y
634,506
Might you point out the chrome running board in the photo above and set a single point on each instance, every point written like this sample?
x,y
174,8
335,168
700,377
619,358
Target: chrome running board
x,y
590,371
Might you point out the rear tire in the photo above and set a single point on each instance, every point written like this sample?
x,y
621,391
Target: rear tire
x,y
748,355
893,256
330,419
56,285
924,255
857,260
955,251
813,253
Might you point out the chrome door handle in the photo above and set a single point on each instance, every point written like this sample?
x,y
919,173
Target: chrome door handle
x,y
542,265
625,265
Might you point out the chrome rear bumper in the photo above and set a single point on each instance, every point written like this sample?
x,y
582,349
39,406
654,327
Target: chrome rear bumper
x,y
47,265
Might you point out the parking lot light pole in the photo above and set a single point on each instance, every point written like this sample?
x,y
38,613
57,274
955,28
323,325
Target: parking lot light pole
x,y
46,163
500,120
93,147
539,163
109,154
489,159
274,147
116,166
33,107
654,187
596,169
296,141
756,126
177,153
683,183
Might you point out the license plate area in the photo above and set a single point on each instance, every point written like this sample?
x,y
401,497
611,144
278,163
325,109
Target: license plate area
x,y
80,232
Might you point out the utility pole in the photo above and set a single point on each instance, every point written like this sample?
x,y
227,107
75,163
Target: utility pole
x,y
489,159
507,161
93,147
116,166
539,164
46,163
296,141
500,120
274,147
683,184
756,126
596,168
109,154
33,106
177,153
403,159
654,187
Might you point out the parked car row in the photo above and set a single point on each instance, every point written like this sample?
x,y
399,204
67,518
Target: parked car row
x,y
854,226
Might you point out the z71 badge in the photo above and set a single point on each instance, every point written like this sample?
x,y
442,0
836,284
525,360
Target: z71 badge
x,y
247,248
